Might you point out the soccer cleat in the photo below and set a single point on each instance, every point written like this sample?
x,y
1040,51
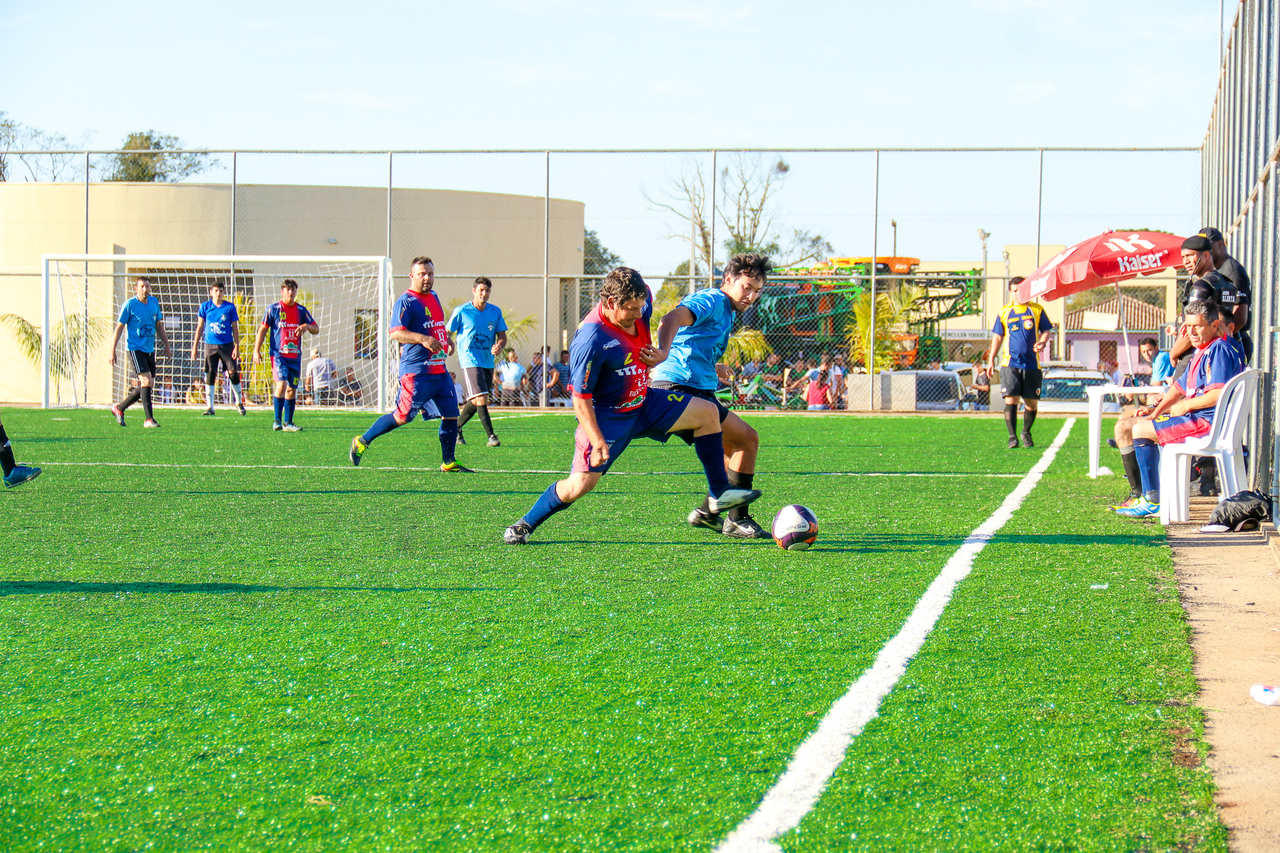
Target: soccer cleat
x,y
517,534
291,428
275,425
150,423
119,413
494,442
454,468
242,411
1026,440
743,528
462,439
1142,509
1132,500
358,447
711,521
1013,443
19,475
207,412
730,498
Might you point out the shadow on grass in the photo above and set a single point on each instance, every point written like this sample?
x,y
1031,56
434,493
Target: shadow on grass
x,y
52,587
886,542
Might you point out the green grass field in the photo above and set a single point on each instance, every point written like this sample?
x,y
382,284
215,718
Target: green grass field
x,y
219,637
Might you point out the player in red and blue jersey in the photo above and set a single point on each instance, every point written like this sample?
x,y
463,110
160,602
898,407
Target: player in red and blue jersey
x,y
286,320
1187,408
418,324
609,363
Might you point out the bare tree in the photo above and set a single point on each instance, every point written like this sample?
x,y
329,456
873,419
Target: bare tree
x,y
17,137
747,188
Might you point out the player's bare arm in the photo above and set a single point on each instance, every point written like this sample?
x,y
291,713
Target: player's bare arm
x,y
257,343
671,323
195,339
499,343
164,339
235,339
996,340
115,342
404,336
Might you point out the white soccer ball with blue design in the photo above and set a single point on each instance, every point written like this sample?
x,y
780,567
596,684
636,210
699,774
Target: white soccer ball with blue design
x,y
795,527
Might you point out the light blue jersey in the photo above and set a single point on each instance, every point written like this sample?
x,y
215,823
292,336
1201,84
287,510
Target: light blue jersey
x,y
698,347
1161,368
218,320
477,329
140,319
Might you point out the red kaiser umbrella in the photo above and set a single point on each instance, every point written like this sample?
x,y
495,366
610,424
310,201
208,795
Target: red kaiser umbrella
x,y
1112,256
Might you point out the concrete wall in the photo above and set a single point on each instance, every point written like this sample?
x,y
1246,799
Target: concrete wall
x,y
467,234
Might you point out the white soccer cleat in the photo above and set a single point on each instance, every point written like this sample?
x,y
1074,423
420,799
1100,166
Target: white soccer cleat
x,y
730,498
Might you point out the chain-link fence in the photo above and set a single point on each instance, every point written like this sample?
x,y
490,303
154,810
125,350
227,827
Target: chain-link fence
x,y
1238,177
897,256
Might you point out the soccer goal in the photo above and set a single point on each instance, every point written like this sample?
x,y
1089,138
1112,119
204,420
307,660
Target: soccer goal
x,y
350,298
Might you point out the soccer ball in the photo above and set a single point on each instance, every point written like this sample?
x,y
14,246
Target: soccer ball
x,y
795,527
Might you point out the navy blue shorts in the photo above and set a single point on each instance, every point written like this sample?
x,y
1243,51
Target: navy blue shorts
x,y
286,370
654,419
417,390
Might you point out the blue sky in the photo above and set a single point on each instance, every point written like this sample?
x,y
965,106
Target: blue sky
x,y
662,74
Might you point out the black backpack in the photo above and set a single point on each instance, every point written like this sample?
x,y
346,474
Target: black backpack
x,y
1240,512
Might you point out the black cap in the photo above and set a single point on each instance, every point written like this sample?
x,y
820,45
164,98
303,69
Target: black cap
x,y
1197,243
1213,235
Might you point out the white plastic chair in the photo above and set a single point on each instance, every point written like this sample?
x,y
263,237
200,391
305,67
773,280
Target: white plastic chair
x,y
1224,442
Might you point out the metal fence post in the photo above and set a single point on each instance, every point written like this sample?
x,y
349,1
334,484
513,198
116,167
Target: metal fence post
x,y
871,326
546,272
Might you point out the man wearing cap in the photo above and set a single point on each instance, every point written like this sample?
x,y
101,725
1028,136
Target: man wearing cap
x,y
1024,330
322,378
1206,284
1234,272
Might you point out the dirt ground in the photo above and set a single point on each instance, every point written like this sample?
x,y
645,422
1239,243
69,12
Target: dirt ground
x,y
1230,586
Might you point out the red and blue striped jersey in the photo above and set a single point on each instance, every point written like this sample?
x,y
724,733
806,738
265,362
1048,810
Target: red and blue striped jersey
x,y
605,365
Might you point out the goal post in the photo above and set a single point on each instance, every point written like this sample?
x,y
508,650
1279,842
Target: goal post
x,y
349,296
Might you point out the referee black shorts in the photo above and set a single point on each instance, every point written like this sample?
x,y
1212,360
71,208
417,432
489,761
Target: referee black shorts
x,y
1021,382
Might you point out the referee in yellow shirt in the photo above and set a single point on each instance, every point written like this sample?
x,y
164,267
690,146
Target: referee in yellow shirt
x,y
1020,335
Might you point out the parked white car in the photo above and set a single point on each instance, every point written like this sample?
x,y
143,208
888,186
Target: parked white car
x,y
1062,391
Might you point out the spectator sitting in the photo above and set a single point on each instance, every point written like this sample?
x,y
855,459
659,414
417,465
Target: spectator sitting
x,y
558,395
535,377
981,385
349,391
771,372
322,378
195,394
817,392
166,390
510,375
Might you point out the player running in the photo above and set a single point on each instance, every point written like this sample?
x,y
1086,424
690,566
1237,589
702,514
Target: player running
x,y
219,320
691,338
14,474
286,320
482,333
609,363
417,324
1020,334
142,316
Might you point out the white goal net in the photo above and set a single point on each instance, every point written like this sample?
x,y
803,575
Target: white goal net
x,y
349,297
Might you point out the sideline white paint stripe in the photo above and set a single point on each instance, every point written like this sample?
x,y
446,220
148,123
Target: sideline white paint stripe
x,y
556,471
797,791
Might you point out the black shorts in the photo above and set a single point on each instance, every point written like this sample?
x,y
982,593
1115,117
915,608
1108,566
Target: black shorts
x,y
476,381
143,362
215,353
663,385
1021,382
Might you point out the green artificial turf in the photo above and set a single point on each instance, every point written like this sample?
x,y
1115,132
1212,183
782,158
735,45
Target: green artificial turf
x,y
251,644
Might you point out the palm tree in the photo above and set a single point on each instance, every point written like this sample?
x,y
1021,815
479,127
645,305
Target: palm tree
x,y
68,344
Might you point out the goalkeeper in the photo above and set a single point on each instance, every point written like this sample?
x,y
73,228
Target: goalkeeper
x,y
219,321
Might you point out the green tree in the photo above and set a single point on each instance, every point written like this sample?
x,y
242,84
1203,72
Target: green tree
x,y
16,136
597,258
151,157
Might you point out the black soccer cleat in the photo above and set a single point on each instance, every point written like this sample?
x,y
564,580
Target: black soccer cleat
x,y
207,412
517,534
118,414
1026,440
699,518
743,528
455,468
494,441
1013,443
462,439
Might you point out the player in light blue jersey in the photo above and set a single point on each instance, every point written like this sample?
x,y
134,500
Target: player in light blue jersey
x,y
482,333
142,317
14,474
692,337
219,322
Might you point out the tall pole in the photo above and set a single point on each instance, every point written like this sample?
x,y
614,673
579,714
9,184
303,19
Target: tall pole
x,y
711,258
390,183
84,326
546,272
894,224
983,234
871,330
1039,206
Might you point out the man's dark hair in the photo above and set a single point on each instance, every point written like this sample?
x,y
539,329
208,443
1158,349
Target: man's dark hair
x,y
421,259
1017,280
750,264
1149,342
145,278
623,284
289,283
218,283
481,280
1202,308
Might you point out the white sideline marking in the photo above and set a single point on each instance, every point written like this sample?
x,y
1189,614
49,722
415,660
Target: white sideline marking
x,y
556,471
797,791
